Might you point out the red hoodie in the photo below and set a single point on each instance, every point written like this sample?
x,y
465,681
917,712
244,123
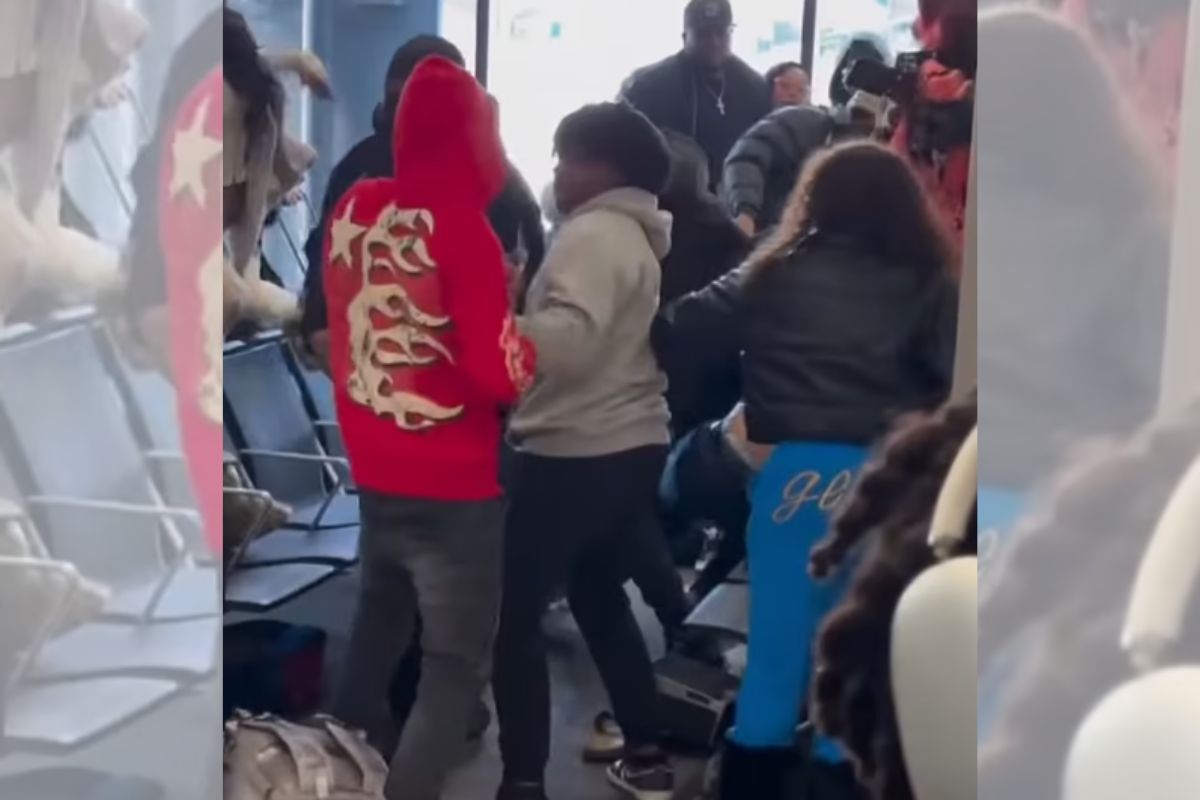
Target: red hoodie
x,y
424,350
189,212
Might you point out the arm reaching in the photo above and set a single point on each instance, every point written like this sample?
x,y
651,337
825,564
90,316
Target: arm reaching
x,y
491,354
580,295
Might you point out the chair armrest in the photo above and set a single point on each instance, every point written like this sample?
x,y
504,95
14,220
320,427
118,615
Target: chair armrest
x,y
15,514
10,566
327,423
118,508
280,455
256,525
174,561
340,468
165,455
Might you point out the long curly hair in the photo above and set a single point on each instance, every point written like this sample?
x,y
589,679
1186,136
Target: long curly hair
x,y
249,75
863,191
888,515
1068,654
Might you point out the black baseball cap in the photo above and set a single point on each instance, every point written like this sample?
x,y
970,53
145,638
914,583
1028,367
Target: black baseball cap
x,y
708,14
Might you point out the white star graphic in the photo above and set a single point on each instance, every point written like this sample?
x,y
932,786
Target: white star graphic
x,y
191,151
344,231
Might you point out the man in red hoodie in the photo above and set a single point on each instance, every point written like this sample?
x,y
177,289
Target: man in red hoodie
x,y
425,356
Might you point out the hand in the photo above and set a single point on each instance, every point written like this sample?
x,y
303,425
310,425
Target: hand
x,y
747,224
113,95
515,274
313,74
308,67
293,197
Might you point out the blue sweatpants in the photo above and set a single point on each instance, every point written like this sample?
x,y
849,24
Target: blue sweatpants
x,y
792,500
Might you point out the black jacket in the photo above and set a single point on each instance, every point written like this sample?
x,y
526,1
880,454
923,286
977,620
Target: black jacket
x,y
676,95
705,245
763,165
834,343
515,216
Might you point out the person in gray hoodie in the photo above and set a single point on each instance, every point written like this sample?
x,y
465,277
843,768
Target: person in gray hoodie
x,y
591,439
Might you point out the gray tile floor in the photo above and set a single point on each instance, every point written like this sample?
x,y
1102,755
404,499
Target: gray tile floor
x,y
577,696
178,746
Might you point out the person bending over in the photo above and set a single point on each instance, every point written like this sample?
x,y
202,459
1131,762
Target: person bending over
x,y
761,168
590,438
424,358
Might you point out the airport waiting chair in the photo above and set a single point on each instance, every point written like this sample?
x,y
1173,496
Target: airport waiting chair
x,y
266,416
72,460
318,394
261,588
62,716
151,402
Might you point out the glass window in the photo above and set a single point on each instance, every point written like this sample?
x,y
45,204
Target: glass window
x,y
549,57
839,20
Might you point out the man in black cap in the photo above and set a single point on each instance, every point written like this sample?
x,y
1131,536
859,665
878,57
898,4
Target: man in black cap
x,y
704,92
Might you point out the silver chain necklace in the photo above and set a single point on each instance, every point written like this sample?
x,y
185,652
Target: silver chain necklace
x,y
718,96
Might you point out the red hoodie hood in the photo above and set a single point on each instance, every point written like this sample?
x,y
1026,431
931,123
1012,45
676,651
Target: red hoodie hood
x,y
447,129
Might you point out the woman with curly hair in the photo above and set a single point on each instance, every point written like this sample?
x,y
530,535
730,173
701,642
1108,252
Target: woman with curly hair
x,y
1061,645
844,318
887,519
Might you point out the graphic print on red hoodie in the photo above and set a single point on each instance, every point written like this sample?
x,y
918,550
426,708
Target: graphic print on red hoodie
x,y
424,351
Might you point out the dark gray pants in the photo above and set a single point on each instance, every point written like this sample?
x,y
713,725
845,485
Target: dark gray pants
x,y
444,559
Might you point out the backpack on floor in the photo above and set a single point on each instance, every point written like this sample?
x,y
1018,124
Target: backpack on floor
x,y
269,758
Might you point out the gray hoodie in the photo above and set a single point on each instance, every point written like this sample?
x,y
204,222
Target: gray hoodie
x,y
598,388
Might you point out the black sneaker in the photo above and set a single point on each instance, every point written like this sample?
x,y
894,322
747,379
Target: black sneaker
x,y
521,791
654,781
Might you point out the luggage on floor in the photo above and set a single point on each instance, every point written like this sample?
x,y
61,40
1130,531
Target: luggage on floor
x,y
273,667
696,700
269,758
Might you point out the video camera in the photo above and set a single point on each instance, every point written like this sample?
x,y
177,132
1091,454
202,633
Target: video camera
x,y
935,125
898,83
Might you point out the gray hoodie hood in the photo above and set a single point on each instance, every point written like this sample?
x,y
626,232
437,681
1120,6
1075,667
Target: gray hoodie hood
x,y
640,206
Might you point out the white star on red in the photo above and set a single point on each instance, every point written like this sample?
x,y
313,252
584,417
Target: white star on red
x,y
191,151
344,232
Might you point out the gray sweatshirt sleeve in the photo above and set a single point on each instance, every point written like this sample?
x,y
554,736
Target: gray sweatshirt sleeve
x,y
577,290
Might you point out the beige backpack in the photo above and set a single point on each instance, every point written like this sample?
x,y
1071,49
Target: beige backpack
x,y
269,758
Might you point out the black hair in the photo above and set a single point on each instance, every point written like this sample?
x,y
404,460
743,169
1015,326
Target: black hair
x,y
689,168
404,62
776,71
1095,523
249,75
620,136
861,46
869,193
193,59
888,518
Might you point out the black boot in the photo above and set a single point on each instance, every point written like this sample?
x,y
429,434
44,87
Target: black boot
x,y
755,774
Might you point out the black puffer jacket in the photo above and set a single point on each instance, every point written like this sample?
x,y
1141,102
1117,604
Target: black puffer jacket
x,y
763,166
834,342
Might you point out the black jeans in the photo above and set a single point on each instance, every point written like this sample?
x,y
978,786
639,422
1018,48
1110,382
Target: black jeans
x,y
574,521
